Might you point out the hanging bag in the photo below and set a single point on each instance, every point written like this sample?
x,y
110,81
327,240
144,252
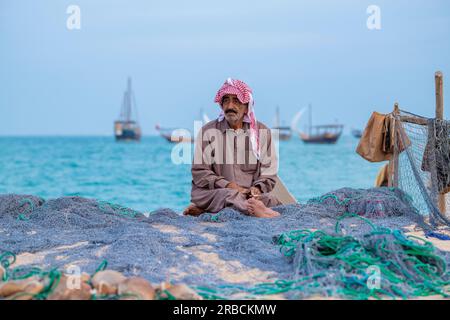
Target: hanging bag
x,y
372,143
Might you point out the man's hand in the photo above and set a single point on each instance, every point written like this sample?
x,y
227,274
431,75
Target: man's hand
x,y
255,192
235,186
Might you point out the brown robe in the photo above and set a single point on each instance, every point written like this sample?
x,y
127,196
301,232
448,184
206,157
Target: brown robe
x,y
210,175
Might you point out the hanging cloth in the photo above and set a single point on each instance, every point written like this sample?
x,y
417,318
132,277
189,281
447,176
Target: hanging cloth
x,y
436,156
377,141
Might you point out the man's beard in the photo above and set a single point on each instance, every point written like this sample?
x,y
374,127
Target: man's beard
x,y
232,117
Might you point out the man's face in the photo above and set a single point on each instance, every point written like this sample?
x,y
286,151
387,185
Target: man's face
x,y
233,109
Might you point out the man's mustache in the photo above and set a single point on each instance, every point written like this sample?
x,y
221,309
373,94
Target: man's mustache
x,y
231,110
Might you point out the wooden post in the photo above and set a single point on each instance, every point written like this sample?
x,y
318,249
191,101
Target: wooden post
x,y
439,82
393,163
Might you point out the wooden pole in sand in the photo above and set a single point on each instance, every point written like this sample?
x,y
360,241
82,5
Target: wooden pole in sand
x,y
439,82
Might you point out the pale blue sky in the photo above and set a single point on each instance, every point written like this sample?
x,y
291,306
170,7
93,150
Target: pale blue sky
x,y
54,81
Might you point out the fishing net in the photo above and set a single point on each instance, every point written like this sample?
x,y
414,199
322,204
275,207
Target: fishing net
x,y
383,202
223,255
424,166
377,263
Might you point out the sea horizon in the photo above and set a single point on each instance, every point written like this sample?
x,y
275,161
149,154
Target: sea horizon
x,y
143,177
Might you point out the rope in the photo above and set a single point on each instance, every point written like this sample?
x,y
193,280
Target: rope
x,y
337,264
437,235
107,207
353,255
22,216
6,260
102,266
321,199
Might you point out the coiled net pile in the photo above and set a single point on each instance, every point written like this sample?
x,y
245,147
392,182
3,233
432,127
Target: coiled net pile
x,y
311,249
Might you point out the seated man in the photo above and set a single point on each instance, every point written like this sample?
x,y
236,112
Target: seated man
x,y
234,164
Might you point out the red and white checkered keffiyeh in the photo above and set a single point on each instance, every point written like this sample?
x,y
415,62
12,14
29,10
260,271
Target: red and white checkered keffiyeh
x,y
245,95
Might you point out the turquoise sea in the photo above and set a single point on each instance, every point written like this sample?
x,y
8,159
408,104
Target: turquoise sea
x,y
143,177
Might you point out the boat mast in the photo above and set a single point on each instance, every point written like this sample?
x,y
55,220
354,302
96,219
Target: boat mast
x,y
127,101
310,119
277,117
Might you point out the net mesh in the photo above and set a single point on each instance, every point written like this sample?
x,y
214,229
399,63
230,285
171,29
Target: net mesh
x,y
424,165
230,255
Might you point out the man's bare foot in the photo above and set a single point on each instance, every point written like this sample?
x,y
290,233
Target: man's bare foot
x,y
257,208
193,210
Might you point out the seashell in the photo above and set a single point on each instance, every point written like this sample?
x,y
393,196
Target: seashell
x,y
21,289
179,292
137,288
65,292
107,281
32,289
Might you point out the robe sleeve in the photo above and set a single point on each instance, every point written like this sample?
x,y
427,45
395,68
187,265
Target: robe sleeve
x,y
267,165
203,175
